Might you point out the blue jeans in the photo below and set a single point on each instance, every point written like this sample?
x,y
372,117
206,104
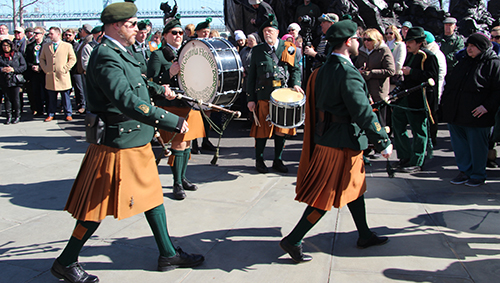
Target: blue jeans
x,y
52,102
470,145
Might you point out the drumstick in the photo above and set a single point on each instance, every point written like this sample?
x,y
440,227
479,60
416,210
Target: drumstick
x,y
237,114
256,119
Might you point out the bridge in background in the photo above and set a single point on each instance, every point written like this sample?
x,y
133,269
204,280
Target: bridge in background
x,y
74,11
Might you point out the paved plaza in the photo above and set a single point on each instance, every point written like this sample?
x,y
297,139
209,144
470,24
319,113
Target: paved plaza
x,y
438,232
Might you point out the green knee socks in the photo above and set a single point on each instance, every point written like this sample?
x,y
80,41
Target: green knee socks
x,y
157,220
358,212
279,146
81,233
187,154
310,217
178,166
260,144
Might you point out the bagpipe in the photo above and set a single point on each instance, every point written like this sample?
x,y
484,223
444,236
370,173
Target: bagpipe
x,y
397,93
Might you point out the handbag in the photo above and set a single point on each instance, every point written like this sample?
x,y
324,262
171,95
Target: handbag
x,y
18,79
94,128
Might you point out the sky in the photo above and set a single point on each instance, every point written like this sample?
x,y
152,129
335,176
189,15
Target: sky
x,y
70,6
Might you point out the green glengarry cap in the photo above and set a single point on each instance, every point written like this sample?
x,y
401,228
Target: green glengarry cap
x,y
203,25
142,25
117,12
97,29
174,22
341,31
270,22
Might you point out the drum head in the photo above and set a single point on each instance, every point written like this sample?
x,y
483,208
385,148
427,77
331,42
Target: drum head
x,y
198,75
287,95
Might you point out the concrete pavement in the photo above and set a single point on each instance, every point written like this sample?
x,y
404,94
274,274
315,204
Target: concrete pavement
x,y
438,232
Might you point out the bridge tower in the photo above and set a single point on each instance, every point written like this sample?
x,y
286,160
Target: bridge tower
x,y
106,3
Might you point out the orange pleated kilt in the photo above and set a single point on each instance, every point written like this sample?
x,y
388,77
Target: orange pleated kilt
x,y
118,182
266,128
195,124
335,177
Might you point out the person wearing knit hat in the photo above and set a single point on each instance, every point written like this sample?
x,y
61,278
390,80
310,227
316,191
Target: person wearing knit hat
x,y
129,184
202,29
239,35
469,103
337,97
263,9
273,65
420,66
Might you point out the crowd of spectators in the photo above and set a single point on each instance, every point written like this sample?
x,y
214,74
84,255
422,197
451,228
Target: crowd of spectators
x,y
44,63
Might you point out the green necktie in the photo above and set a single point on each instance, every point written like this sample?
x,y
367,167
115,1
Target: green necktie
x,y
55,46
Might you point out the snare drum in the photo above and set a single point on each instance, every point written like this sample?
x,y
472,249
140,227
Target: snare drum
x,y
287,108
211,71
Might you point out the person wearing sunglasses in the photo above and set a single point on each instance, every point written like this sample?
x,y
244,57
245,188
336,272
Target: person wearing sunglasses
x,y
12,65
163,68
119,175
376,64
495,39
35,75
395,43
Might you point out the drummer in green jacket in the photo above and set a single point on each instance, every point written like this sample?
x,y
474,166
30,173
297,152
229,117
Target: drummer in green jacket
x,y
163,68
266,74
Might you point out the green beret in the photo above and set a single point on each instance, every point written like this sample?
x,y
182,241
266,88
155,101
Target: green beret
x,y
174,22
117,12
203,25
97,29
142,25
341,31
270,22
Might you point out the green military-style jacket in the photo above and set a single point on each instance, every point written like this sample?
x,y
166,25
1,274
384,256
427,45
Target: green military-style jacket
x,y
158,72
449,45
140,57
341,93
263,70
116,86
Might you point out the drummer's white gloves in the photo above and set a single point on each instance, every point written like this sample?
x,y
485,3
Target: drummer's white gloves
x,y
386,153
299,89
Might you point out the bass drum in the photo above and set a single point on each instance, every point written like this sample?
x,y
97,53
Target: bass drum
x,y
210,71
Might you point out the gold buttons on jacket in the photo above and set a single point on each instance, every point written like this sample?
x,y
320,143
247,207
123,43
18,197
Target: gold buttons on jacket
x,y
162,116
157,122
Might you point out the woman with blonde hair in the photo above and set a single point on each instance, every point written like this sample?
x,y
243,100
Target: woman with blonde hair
x,y
376,65
398,48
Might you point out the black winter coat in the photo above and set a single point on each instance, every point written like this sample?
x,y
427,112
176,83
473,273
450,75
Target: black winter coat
x,y
473,82
419,76
19,65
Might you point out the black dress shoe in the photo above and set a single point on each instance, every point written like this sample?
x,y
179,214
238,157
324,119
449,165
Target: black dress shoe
x,y
187,185
401,163
261,166
294,251
179,192
279,166
194,147
73,273
408,169
179,260
7,122
373,241
207,145
16,120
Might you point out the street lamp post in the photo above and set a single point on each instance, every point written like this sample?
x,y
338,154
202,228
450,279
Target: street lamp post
x,y
215,13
